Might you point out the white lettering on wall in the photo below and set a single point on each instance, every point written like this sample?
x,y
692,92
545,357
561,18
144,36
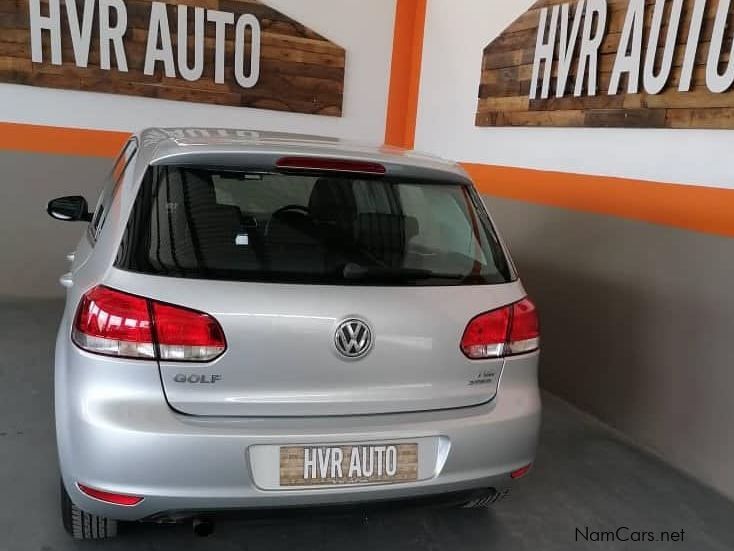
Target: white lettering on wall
x,y
595,24
50,23
247,21
81,32
186,57
654,83
190,73
544,49
159,33
567,45
718,82
630,49
112,35
694,34
636,56
220,20
158,30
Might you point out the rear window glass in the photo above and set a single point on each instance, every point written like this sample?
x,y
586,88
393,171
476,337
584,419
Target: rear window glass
x,y
293,228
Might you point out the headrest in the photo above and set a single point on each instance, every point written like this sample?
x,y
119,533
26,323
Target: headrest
x,y
198,185
389,228
332,198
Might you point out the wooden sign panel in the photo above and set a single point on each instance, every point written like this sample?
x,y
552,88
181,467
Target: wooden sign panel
x,y
228,52
612,63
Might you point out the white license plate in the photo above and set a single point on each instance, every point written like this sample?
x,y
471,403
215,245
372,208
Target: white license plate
x,y
352,464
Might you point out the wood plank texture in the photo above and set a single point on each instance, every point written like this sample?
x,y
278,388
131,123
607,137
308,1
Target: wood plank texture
x,y
507,65
300,70
292,466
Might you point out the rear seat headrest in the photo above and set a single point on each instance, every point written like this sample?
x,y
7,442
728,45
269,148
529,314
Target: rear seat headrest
x,y
332,198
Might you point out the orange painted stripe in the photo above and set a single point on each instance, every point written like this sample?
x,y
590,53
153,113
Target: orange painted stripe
x,y
64,141
702,209
405,73
697,208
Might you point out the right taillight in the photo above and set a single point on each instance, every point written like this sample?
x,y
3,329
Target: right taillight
x,y
502,332
524,328
114,323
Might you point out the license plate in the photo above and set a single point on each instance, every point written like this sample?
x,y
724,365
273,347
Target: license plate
x,y
358,464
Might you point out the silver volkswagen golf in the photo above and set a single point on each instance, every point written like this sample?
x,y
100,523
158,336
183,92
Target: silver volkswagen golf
x,y
267,321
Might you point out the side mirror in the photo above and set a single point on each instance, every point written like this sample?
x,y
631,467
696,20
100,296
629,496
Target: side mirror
x,y
69,209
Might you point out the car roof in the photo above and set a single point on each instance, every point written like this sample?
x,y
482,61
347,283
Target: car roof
x,y
171,145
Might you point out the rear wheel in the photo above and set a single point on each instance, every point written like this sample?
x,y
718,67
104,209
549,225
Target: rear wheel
x,y
84,526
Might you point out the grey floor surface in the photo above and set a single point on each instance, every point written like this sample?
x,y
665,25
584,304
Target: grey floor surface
x,y
586,478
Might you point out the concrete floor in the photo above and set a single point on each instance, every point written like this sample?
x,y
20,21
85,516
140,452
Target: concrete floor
x,y
585,477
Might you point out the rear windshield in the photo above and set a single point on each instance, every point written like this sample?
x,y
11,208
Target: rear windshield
x,y
295,228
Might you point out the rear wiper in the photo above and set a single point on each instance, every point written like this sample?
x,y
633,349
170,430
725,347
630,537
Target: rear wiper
x,y
356,271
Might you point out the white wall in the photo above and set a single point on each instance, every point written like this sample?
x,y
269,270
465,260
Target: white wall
x,y
364,29
630,309
456,34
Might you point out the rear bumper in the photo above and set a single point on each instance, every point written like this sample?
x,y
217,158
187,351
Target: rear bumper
x,y
116,432
475,497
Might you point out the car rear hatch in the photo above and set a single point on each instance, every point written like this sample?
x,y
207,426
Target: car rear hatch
x,y
282,360
297,266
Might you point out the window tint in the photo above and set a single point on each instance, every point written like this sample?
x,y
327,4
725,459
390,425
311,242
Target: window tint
x,y
111,186
309,229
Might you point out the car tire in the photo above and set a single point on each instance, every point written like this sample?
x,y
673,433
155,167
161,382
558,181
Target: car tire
x,y
84,526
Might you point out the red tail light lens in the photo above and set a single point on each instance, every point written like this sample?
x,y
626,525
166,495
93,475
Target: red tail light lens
x,y
525,330
503,332
114,323
486,335
186,334
329,165
109,497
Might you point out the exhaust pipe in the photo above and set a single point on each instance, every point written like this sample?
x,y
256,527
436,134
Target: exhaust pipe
x,y
484,498
202,527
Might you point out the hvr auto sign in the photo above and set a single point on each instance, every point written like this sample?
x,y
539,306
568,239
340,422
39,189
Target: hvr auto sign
x,y
112,21
576,37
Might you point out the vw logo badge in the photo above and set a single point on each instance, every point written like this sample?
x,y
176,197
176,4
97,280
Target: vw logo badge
x,y
353,339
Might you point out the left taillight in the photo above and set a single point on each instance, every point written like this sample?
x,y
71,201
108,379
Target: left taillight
x,y
114,323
